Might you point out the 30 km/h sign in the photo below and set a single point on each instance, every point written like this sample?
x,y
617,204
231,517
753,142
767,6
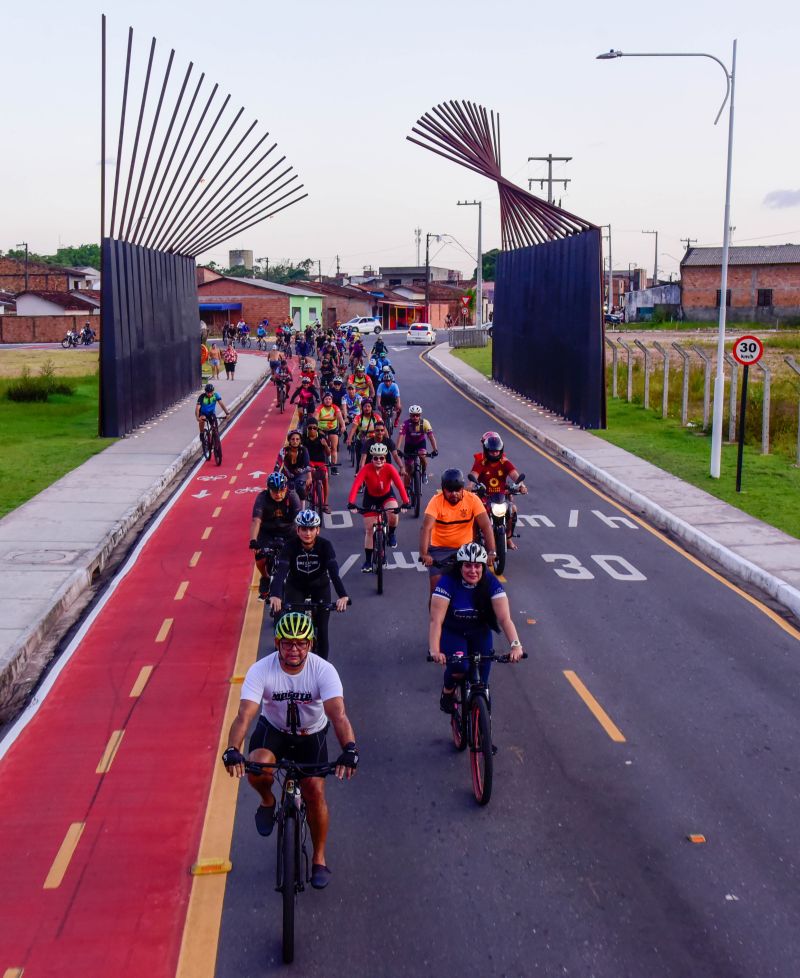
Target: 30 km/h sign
x,y
748,350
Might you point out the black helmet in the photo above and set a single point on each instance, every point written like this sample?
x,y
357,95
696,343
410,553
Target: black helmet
x,y
493,447
209,388
452,479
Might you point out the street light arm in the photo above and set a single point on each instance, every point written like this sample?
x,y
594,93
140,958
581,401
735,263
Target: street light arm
x,y
675,54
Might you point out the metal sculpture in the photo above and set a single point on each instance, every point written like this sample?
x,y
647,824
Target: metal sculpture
x,y
469,134
180,188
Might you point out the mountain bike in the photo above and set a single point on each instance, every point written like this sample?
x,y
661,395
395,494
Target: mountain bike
x,y
269,554
245,342
415,481
471,719
380,534
261,343
293,869
317,494
313,610
280,393
210,440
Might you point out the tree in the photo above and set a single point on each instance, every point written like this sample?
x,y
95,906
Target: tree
x,y
489,264
70,256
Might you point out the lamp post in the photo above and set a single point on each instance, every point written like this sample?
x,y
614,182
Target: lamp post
x,y
719,382
479,284
24,244
428,237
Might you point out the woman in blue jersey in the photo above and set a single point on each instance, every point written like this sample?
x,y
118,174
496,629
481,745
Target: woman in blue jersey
x,y
467,605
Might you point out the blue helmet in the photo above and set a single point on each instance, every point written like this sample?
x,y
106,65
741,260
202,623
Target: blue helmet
x,y
276,481
307,518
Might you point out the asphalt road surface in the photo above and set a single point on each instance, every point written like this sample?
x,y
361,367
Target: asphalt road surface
x,y
581,864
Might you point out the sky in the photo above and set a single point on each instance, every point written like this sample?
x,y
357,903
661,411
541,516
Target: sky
x,y
340,85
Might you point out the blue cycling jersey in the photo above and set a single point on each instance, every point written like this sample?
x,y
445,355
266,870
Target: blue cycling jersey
x,y
208,402
388,392
462,616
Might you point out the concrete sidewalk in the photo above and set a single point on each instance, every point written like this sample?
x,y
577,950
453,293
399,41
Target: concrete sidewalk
x,y
750,552
54,546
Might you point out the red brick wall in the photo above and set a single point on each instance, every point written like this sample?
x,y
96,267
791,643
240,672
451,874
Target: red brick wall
x,y
256,303
12,277
699,287
345,308
42,329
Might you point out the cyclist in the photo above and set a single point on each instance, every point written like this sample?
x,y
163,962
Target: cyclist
x,y
467,605
331,425
388,396
414,435
307,398
281,375
357,352
379,477
306,568
361,428
261,332
492,469
327,369
380,436
378,347
206,406
384,363
337,393
319,451
243,329
308,368
449,523
363,385
296,697
351,402
294,462
274,512
373,371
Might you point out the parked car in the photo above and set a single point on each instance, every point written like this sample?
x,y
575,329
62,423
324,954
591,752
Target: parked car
x,y
421,333
364,324
614,318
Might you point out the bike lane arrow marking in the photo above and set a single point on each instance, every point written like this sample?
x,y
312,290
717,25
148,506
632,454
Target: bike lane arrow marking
x,y
201,495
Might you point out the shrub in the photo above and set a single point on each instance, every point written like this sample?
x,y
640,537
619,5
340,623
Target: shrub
x,y
27,388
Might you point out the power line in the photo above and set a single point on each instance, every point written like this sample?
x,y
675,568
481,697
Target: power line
x,y
549,179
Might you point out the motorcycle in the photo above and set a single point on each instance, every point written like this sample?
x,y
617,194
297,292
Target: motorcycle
x,y
72,339
498,506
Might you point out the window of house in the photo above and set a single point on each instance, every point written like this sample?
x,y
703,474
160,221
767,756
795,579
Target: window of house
x,y
727,297
395,281
312,312
764,297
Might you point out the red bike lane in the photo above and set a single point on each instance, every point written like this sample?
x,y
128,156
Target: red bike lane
x,y
103,794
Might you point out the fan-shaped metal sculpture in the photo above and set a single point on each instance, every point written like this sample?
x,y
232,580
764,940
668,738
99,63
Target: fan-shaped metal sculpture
x,y
469,134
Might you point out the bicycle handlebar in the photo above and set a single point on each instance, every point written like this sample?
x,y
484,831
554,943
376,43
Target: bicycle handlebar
x,y
456,659
291,767
361,509
316,605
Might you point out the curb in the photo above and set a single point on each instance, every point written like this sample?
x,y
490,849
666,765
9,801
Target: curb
x,y
17,658
744,571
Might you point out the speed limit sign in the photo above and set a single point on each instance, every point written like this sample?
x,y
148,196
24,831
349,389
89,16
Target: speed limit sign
x,y
748,350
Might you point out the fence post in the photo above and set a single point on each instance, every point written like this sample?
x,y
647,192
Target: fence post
x,y
685,392
732,397
765,408
793,365
646,353
627,349
614,352
665,394
706,383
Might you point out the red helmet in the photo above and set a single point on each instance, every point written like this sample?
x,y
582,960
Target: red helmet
x,y
489,434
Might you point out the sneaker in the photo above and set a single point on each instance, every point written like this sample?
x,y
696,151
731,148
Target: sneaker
x,y
392,539
425,479
320,876
366,567
263,588
265,819
447,702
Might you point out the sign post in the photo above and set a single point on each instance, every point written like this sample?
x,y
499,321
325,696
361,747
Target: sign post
x,y
747,350
464,310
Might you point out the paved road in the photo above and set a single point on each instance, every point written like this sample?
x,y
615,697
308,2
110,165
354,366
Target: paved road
x,y
581,863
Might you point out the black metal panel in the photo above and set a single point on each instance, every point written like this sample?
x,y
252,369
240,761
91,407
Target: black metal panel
x,y
149,355
548,335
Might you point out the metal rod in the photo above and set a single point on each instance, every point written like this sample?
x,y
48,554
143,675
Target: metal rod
x,y
742,420
121,130
138,134
245,227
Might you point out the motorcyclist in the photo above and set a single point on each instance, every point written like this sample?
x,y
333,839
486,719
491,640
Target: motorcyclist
x,y
492,469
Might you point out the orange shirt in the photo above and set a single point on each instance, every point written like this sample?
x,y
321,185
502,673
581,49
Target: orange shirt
x,y
453,525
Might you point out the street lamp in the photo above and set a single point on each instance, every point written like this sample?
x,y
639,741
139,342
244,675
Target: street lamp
x,y
479,284
719,382
428,237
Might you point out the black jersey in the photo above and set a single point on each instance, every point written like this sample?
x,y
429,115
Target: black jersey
x,y
303,569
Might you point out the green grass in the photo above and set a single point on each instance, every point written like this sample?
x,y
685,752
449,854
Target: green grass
x,y
479,357
40,442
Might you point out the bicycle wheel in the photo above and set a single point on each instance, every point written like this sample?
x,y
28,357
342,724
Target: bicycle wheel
x,y
416,485
458,718
281,398
206,443
290,848
500,547
480,758
378,556
216,445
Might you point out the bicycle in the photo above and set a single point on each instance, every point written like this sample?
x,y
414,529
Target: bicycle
x,y
293,868
261,343
281,394
471,720
415,482
317,494
310,608
245,342
269,554
210,440
380,531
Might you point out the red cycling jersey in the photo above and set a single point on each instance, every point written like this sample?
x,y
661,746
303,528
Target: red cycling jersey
x,y
492,474
378,482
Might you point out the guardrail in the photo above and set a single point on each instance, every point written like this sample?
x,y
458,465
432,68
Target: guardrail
x,y
471,336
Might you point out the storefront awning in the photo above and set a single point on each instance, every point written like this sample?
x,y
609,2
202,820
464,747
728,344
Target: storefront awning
x,y
219,306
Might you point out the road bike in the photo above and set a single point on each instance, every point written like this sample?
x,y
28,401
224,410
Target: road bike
x,y
210,440
415,481
280,393
312,609
293,870
245,342
269,554
498,506
380,533
471,719
261,343
316,496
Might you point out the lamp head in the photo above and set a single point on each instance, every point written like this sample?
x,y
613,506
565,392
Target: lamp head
x,y
608,55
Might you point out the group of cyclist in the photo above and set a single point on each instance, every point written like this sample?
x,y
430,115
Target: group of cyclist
x,y
297,694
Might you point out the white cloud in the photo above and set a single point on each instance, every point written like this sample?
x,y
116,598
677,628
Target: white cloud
x,y
782,198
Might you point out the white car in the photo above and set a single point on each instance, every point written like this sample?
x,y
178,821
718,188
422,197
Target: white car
x,y
364,324
421,333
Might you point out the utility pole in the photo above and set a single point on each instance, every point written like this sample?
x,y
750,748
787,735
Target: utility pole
x,y
688,242
428,237
479,270
655,260
418,238
610,271
337,266
24,244
549,180
319,270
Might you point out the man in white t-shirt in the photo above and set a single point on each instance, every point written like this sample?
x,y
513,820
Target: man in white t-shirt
x,y
296,695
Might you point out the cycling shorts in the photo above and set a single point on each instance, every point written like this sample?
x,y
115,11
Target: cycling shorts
x,y
308,749
378,502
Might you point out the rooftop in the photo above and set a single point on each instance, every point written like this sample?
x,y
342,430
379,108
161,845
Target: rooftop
x,y
785,254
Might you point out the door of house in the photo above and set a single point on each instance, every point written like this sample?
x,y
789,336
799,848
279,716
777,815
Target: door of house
x,y
296,317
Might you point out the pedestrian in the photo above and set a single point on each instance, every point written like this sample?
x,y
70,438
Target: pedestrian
x,y
213,359
229,357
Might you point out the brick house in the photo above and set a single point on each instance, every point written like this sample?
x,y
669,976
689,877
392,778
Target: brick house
x,y
228,299
342,302
763,283
50,278
40,302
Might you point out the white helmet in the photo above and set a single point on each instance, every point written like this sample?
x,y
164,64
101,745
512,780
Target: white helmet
x,y
472,553
378,450
415,409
